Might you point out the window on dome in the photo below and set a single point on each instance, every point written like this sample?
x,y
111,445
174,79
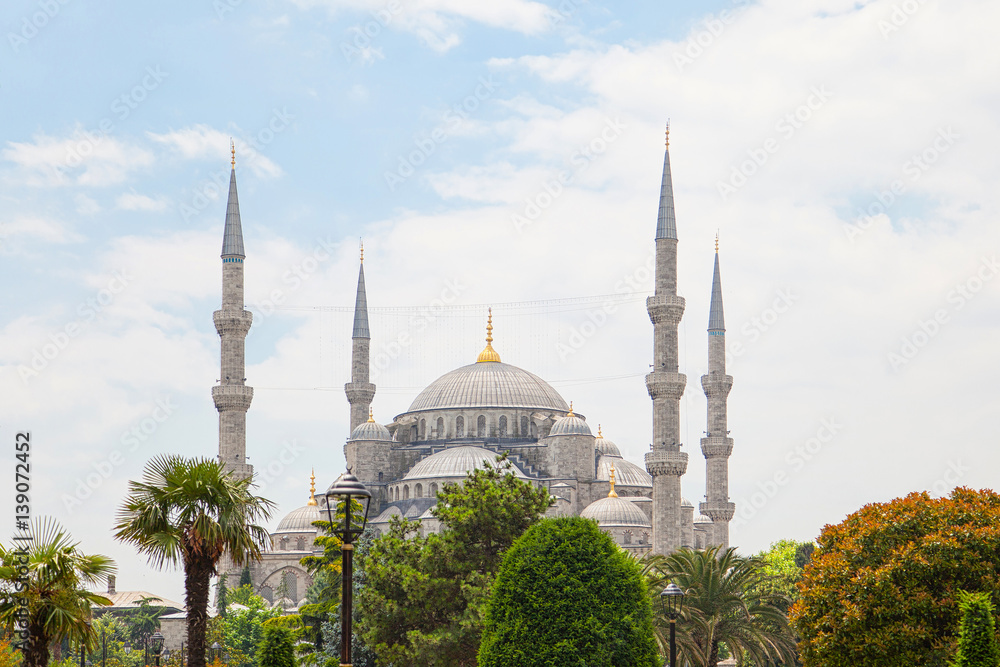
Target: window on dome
x,y
406,492
418,491
627,537
433,490
524,427
460,427
644,538
503,427
440,429
481,426
423,429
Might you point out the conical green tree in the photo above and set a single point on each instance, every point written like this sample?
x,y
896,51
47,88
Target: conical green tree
x,y
58,605
276,647
191,511
977,640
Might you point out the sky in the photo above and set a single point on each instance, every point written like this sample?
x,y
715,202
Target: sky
x,y
505,155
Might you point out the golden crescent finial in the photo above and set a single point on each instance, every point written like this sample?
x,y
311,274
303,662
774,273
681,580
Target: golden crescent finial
x,y
612,493
599,431
312,488
488,353
668,134
232,149
363,251
570,413
716,241
371,416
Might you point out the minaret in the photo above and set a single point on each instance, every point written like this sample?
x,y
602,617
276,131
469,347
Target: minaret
x,y
359,390
232,396
666,463
717,445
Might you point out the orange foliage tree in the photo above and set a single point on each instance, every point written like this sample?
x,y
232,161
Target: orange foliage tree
x,y
883,587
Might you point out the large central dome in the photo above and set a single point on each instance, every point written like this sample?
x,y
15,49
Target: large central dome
x,y
491,384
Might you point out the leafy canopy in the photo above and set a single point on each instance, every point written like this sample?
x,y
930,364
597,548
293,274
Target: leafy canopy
x,y
977,640
566,595
883,587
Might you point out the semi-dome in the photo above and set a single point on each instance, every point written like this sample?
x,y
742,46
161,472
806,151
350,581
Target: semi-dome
x,y
626,472
491,384
613,511
454,462
605,447
701,518
571,424
371,430
300,520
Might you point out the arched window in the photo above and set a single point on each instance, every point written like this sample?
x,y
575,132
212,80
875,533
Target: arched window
x,y
418,491
433,490
380,478
406,492
423,429
503,426
284,543
300,544
413,433
460,427
524,427
481,426
644,538
397,493
292,586
440,429
627,537
266,593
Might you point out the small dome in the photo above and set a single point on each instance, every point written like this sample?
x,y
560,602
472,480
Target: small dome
x,y
626,472
300,520
453,462
571,424
605,447
371,430
686,503
615,512
701,518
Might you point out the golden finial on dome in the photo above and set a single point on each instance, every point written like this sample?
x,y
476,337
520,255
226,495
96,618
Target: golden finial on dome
x,y
488,353
599,431
668,134
232,148
312,489
612,493
570,413
371,416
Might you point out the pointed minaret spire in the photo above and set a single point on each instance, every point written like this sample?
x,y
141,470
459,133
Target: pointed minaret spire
x,y
666,463
717,445
232,396
666,225
360,391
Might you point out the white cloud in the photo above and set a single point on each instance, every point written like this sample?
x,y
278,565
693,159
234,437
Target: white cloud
x,y
84,158
43,229
438,23
133,201
85,205
200,142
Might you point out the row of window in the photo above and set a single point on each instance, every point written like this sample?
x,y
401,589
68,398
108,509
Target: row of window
x,y
418,431
282,545
418,491
627,537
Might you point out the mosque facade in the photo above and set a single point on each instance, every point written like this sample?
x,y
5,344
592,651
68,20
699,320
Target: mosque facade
x,y
467,417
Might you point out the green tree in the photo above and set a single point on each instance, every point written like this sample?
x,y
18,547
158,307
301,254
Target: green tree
x,y
245,579
883,585
192,511
50,573
728,600
425,596
566,595
142,622
781,568
221,597
977,639
276,648
242,628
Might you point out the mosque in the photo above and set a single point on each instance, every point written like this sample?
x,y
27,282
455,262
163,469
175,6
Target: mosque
x,y
470,415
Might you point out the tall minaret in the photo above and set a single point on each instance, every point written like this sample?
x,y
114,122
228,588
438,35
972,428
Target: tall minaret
x,y
359,390
717,445
666,463
232,395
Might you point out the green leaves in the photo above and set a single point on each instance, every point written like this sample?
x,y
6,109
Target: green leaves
x,y
977,640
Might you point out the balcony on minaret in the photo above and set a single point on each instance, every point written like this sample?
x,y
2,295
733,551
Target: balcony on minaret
x,y
233,322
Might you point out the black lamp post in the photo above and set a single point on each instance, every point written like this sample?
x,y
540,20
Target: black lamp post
x,y
157,642
671,601
347,489
214,651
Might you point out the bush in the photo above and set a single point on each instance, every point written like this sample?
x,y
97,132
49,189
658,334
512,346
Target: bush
x,y
977,640
566,595
276,648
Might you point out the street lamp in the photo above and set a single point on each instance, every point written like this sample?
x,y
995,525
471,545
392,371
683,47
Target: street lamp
x,y
166,656
157,643
671,601
347,489
215,651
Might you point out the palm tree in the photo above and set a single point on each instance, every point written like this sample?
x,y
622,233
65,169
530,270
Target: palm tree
x,y
724,602
193,511
52,585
